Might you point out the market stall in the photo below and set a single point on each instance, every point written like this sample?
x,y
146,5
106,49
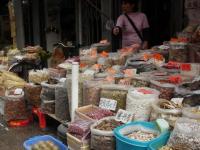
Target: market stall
x,y
132,99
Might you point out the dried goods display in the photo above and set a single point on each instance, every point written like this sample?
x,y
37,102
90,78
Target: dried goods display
x,y
186,135
142,136
91,92
82,78
80,127
192,86
166,89
102,132
99,113
44,145
48,107
15,107
106,62
115,92
192,112
140,82
191,100
108,125
32,94
38,76
10,80
116,59
167,110
57,73
87,60
61,102
139,102
178,52
169,105
48,90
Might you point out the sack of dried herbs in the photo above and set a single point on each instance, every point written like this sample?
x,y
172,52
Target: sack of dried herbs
x,y
115,92
48,90
15,106
167,110
32,94
61,102
102,132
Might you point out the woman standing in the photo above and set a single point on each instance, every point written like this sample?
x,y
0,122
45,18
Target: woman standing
x,y
133,25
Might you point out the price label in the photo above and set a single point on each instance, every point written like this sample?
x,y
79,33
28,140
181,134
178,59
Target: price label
x,y
186,67
109,104
177,100
124,116
18,91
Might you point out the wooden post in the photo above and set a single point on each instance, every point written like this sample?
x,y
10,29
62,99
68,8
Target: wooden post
x,y
12,22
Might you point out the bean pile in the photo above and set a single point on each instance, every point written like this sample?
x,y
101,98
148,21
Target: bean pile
x,y
99,114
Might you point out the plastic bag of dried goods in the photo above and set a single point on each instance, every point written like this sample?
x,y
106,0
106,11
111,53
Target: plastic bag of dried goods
x,y
186,135
139,102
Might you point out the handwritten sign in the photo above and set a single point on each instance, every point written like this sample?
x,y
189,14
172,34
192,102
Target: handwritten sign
x,y
109,104
18,91
124,116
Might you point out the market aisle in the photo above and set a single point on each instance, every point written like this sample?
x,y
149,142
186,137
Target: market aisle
x,y
13,138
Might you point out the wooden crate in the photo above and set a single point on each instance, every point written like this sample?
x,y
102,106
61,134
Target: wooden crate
x,y
77,144
81,111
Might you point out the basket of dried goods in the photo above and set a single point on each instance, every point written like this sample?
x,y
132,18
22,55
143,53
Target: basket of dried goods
x,y
167,110
91,112
102,132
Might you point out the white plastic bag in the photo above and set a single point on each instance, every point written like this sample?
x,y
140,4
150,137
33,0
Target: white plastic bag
x,y
139,102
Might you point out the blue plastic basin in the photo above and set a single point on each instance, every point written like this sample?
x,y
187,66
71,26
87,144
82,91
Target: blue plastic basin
x,y
28,143
156,145
125,143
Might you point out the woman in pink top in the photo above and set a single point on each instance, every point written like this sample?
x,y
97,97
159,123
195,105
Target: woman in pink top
x,y
130,36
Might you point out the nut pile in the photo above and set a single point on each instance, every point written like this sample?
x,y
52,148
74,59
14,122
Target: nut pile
x,y
44,145
141,136
108,125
